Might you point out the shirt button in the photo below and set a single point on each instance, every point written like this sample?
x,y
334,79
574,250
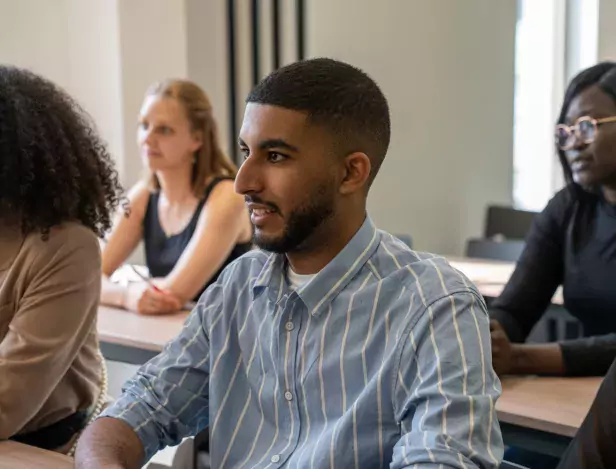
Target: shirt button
x,y
275,458
288,396
289,326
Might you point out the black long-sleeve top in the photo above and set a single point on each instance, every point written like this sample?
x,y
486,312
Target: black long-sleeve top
x,y
571,243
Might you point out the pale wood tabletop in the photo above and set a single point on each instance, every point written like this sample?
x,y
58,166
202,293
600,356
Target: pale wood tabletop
x,y
118,326
553,405
490,276
17,456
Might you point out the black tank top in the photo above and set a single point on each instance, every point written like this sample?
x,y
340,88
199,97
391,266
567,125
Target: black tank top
x,y
163,252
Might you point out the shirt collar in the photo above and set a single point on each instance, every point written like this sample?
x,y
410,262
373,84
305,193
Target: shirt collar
x,y
319,292
271,278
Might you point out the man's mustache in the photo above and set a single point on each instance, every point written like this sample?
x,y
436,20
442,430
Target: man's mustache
x,y
257,200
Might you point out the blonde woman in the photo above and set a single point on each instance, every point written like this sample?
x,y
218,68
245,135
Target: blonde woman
x,y
186,211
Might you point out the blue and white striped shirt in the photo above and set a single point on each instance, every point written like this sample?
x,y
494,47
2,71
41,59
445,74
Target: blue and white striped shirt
x,y
382,359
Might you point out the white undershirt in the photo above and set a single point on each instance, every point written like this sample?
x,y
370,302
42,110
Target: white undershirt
x,y
297,280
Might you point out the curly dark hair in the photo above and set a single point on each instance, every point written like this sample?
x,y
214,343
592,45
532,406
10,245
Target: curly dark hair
x,y
54,167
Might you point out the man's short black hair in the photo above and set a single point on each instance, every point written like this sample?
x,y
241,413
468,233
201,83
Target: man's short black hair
x,y
341,98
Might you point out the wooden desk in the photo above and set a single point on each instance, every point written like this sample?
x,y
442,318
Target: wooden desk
x,y
489,276
17,456
134,338
543,414
553,405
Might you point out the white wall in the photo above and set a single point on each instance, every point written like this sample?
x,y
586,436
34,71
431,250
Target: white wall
x,y
607,30
75,44
37,42
153,47
447,68
94,73
207,56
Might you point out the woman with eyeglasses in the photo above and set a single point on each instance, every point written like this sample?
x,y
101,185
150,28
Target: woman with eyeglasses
x,y
572,243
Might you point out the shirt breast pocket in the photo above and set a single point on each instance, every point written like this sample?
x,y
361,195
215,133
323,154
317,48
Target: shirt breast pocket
x,y
257,368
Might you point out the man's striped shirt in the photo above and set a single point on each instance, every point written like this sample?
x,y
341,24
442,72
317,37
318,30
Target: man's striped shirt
x,y
381,360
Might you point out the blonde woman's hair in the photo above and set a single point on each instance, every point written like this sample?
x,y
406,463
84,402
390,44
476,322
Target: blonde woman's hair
x,y
209,159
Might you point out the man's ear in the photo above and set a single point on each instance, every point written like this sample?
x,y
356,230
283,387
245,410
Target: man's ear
x,y
356,173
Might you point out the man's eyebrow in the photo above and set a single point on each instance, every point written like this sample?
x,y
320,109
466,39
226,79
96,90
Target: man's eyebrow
x,y
271,143
276,143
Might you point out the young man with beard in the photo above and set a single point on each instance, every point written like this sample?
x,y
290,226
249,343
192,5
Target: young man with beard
x,y
333,345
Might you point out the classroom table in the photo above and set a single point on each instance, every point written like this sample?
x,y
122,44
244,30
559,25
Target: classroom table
x,y
490,276
543,414
18,456
129,337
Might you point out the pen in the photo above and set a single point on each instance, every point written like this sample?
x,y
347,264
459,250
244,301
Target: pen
x,y
146,279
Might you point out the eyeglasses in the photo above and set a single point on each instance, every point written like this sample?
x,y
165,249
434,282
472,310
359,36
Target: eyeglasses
x,y
584,130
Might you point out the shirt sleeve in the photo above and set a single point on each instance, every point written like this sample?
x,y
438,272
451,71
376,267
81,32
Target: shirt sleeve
x,y
51,322
446,389
538,273
589,356
168,398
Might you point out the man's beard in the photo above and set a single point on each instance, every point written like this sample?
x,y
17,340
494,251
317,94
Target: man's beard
x,y
301,223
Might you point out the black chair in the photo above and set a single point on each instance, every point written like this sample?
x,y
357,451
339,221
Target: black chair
x,y
556,324
508,250
507,222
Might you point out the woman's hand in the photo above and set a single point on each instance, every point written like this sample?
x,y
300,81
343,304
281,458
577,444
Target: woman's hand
x,y
145,299
502,349
508,358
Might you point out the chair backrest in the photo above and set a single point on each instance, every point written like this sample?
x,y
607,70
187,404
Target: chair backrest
x,y
511,465
508,250
555,325
406,239
507,222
